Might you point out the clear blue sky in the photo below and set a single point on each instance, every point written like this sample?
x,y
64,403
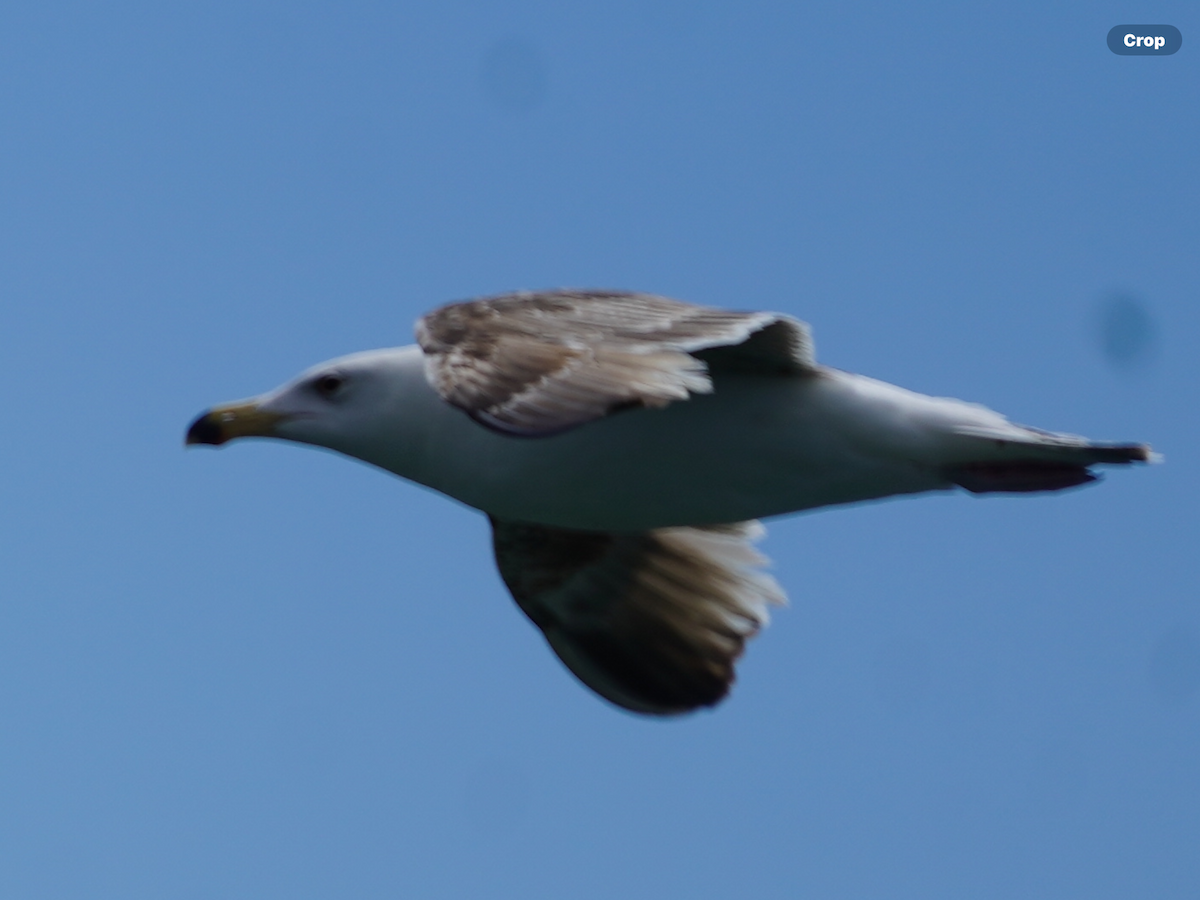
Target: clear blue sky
x,y
269,672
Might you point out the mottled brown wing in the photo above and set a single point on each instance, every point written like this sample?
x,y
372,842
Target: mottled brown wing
x,y
537,363
652,622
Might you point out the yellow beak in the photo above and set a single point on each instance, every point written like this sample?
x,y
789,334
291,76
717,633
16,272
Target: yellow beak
x,y
234,420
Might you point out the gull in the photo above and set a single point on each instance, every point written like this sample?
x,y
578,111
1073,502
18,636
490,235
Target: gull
x,y
624,447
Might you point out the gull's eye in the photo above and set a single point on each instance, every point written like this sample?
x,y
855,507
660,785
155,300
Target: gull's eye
x,y
328,384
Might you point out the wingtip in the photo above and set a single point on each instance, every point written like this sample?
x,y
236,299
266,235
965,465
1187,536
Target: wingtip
x,y
1130,453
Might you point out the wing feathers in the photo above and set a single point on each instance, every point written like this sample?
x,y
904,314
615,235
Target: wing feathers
x,y
539,363
653,622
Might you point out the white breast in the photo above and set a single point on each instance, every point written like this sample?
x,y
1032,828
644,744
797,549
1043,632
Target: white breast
x,y
758,446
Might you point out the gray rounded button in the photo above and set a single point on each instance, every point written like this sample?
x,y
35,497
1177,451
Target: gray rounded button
x,y
1144,40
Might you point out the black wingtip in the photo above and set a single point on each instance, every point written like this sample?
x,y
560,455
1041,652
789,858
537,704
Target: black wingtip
x,y
1119,454
1022,477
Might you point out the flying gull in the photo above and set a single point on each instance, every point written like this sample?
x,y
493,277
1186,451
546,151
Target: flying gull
x,y
625,445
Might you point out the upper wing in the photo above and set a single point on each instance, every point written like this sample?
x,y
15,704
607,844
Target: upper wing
x,y
536,363
653,622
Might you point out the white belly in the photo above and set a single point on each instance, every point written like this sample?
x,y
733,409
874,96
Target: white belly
x,y
758,446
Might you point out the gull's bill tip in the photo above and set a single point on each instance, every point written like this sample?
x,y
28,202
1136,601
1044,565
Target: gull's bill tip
x,y
224,423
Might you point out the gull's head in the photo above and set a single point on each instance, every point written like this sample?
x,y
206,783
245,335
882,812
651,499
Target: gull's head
x,y
336,404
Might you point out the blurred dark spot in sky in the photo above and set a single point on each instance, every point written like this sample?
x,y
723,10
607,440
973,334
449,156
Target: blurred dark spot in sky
x,y
1175,666
902,672
514,75
1127,331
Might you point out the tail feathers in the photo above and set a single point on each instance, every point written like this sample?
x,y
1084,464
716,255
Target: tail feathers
x,y
1019,477
1042,462
1122,454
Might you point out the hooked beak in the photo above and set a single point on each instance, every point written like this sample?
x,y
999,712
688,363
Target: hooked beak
x,y
234,420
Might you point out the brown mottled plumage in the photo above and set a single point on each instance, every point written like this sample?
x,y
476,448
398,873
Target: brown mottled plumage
x,y
536,364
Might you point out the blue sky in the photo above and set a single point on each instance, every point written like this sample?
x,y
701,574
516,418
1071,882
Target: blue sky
x,y
270,672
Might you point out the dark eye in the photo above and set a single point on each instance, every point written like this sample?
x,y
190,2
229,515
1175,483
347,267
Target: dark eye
x,y
328,384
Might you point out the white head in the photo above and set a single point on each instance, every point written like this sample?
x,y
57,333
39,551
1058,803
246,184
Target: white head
x,y
353,405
